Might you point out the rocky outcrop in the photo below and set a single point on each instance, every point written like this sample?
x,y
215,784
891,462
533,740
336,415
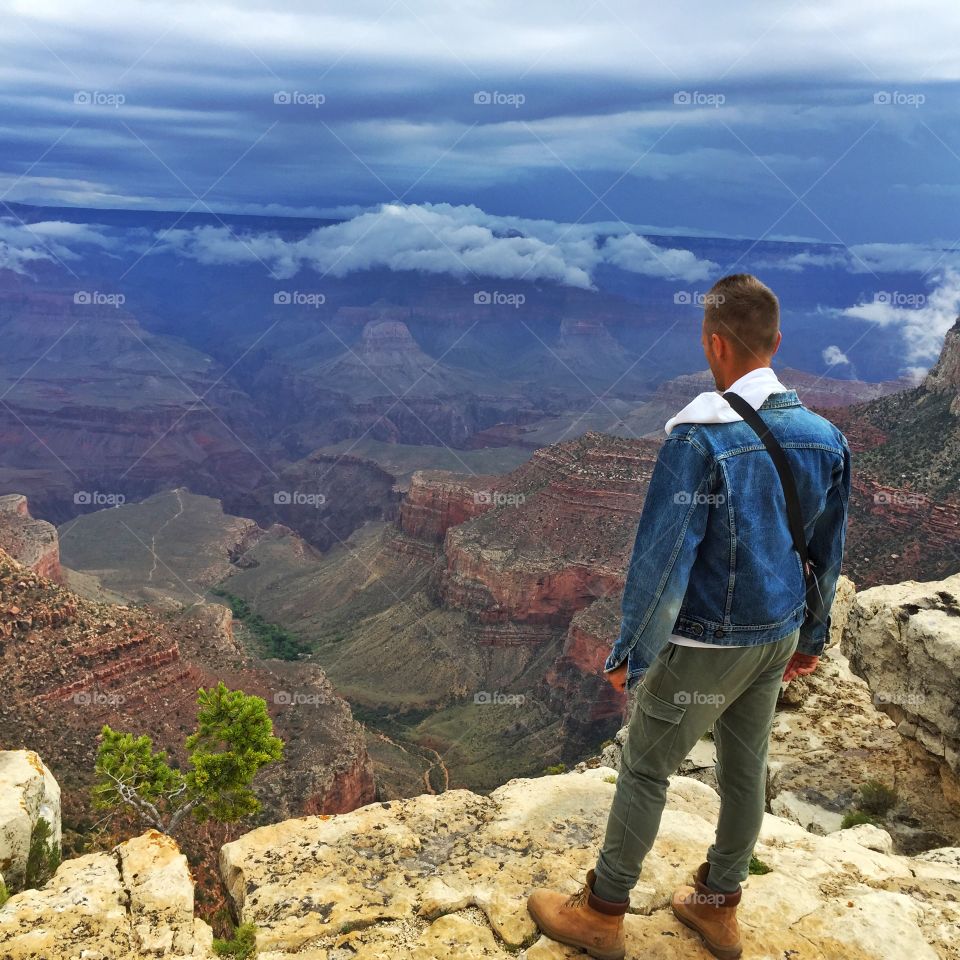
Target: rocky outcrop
x,y
576,677
134,902
33,542
944,377
904,639
28,794
438,500
448,875
559,537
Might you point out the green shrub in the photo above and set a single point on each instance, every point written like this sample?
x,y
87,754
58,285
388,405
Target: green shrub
x,y
854,818
877,798
4,893
243,945
555,769
757,867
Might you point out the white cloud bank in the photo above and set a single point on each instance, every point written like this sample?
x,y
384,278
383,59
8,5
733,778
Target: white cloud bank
x,y
923,320
442,238
24,243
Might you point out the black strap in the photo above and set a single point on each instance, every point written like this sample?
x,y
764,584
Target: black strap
x,y
792,499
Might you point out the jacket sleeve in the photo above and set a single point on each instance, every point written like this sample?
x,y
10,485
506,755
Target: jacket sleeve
x,y
825,550
672,525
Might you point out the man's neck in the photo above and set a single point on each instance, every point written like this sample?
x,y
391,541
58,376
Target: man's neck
x,y
735,375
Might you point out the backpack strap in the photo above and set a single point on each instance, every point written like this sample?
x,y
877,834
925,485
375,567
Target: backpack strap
x,y
787,482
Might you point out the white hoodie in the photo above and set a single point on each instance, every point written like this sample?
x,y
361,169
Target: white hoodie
x,y
710,407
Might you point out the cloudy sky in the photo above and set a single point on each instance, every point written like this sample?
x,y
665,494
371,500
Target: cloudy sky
x,y
835,120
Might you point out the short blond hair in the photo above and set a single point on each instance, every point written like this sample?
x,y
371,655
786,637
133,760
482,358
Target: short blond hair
x,y
745,311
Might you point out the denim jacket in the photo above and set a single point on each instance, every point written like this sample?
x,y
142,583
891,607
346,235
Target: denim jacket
x,y
713,558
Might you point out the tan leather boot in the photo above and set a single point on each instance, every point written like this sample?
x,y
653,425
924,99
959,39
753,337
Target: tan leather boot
x,y
582,920
713,915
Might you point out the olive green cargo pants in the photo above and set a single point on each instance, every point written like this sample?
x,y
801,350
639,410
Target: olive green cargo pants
x,y
686,691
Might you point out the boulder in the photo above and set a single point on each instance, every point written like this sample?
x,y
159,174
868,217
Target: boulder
x,y
28,793
904,640
133,903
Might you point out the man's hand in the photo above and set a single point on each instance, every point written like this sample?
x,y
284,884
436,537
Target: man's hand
x,y
800,664
618,677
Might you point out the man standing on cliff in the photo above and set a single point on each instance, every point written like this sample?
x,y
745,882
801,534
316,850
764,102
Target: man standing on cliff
x,y
714,618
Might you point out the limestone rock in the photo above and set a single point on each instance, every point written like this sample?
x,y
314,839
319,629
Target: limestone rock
x,y
448,875
904,639
32,542
840,611
133,903
872,837
28,792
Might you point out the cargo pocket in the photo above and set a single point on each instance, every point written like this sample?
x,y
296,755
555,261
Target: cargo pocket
x,y
654,733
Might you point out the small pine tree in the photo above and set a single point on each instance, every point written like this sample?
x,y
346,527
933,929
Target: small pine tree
x,y
233,740
43,857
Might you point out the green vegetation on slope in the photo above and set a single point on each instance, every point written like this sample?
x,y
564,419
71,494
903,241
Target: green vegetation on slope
x,y
273,640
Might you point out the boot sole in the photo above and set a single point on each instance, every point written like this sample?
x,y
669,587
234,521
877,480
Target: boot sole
x,y
723,953
594,952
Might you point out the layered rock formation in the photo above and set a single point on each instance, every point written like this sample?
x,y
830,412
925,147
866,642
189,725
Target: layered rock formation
x,y
435,877
905,640
135,901
559,537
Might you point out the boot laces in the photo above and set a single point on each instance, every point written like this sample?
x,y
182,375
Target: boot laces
x,y
579,898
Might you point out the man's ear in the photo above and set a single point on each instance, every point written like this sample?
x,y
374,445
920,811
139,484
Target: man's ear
x,y
719,346
776,345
